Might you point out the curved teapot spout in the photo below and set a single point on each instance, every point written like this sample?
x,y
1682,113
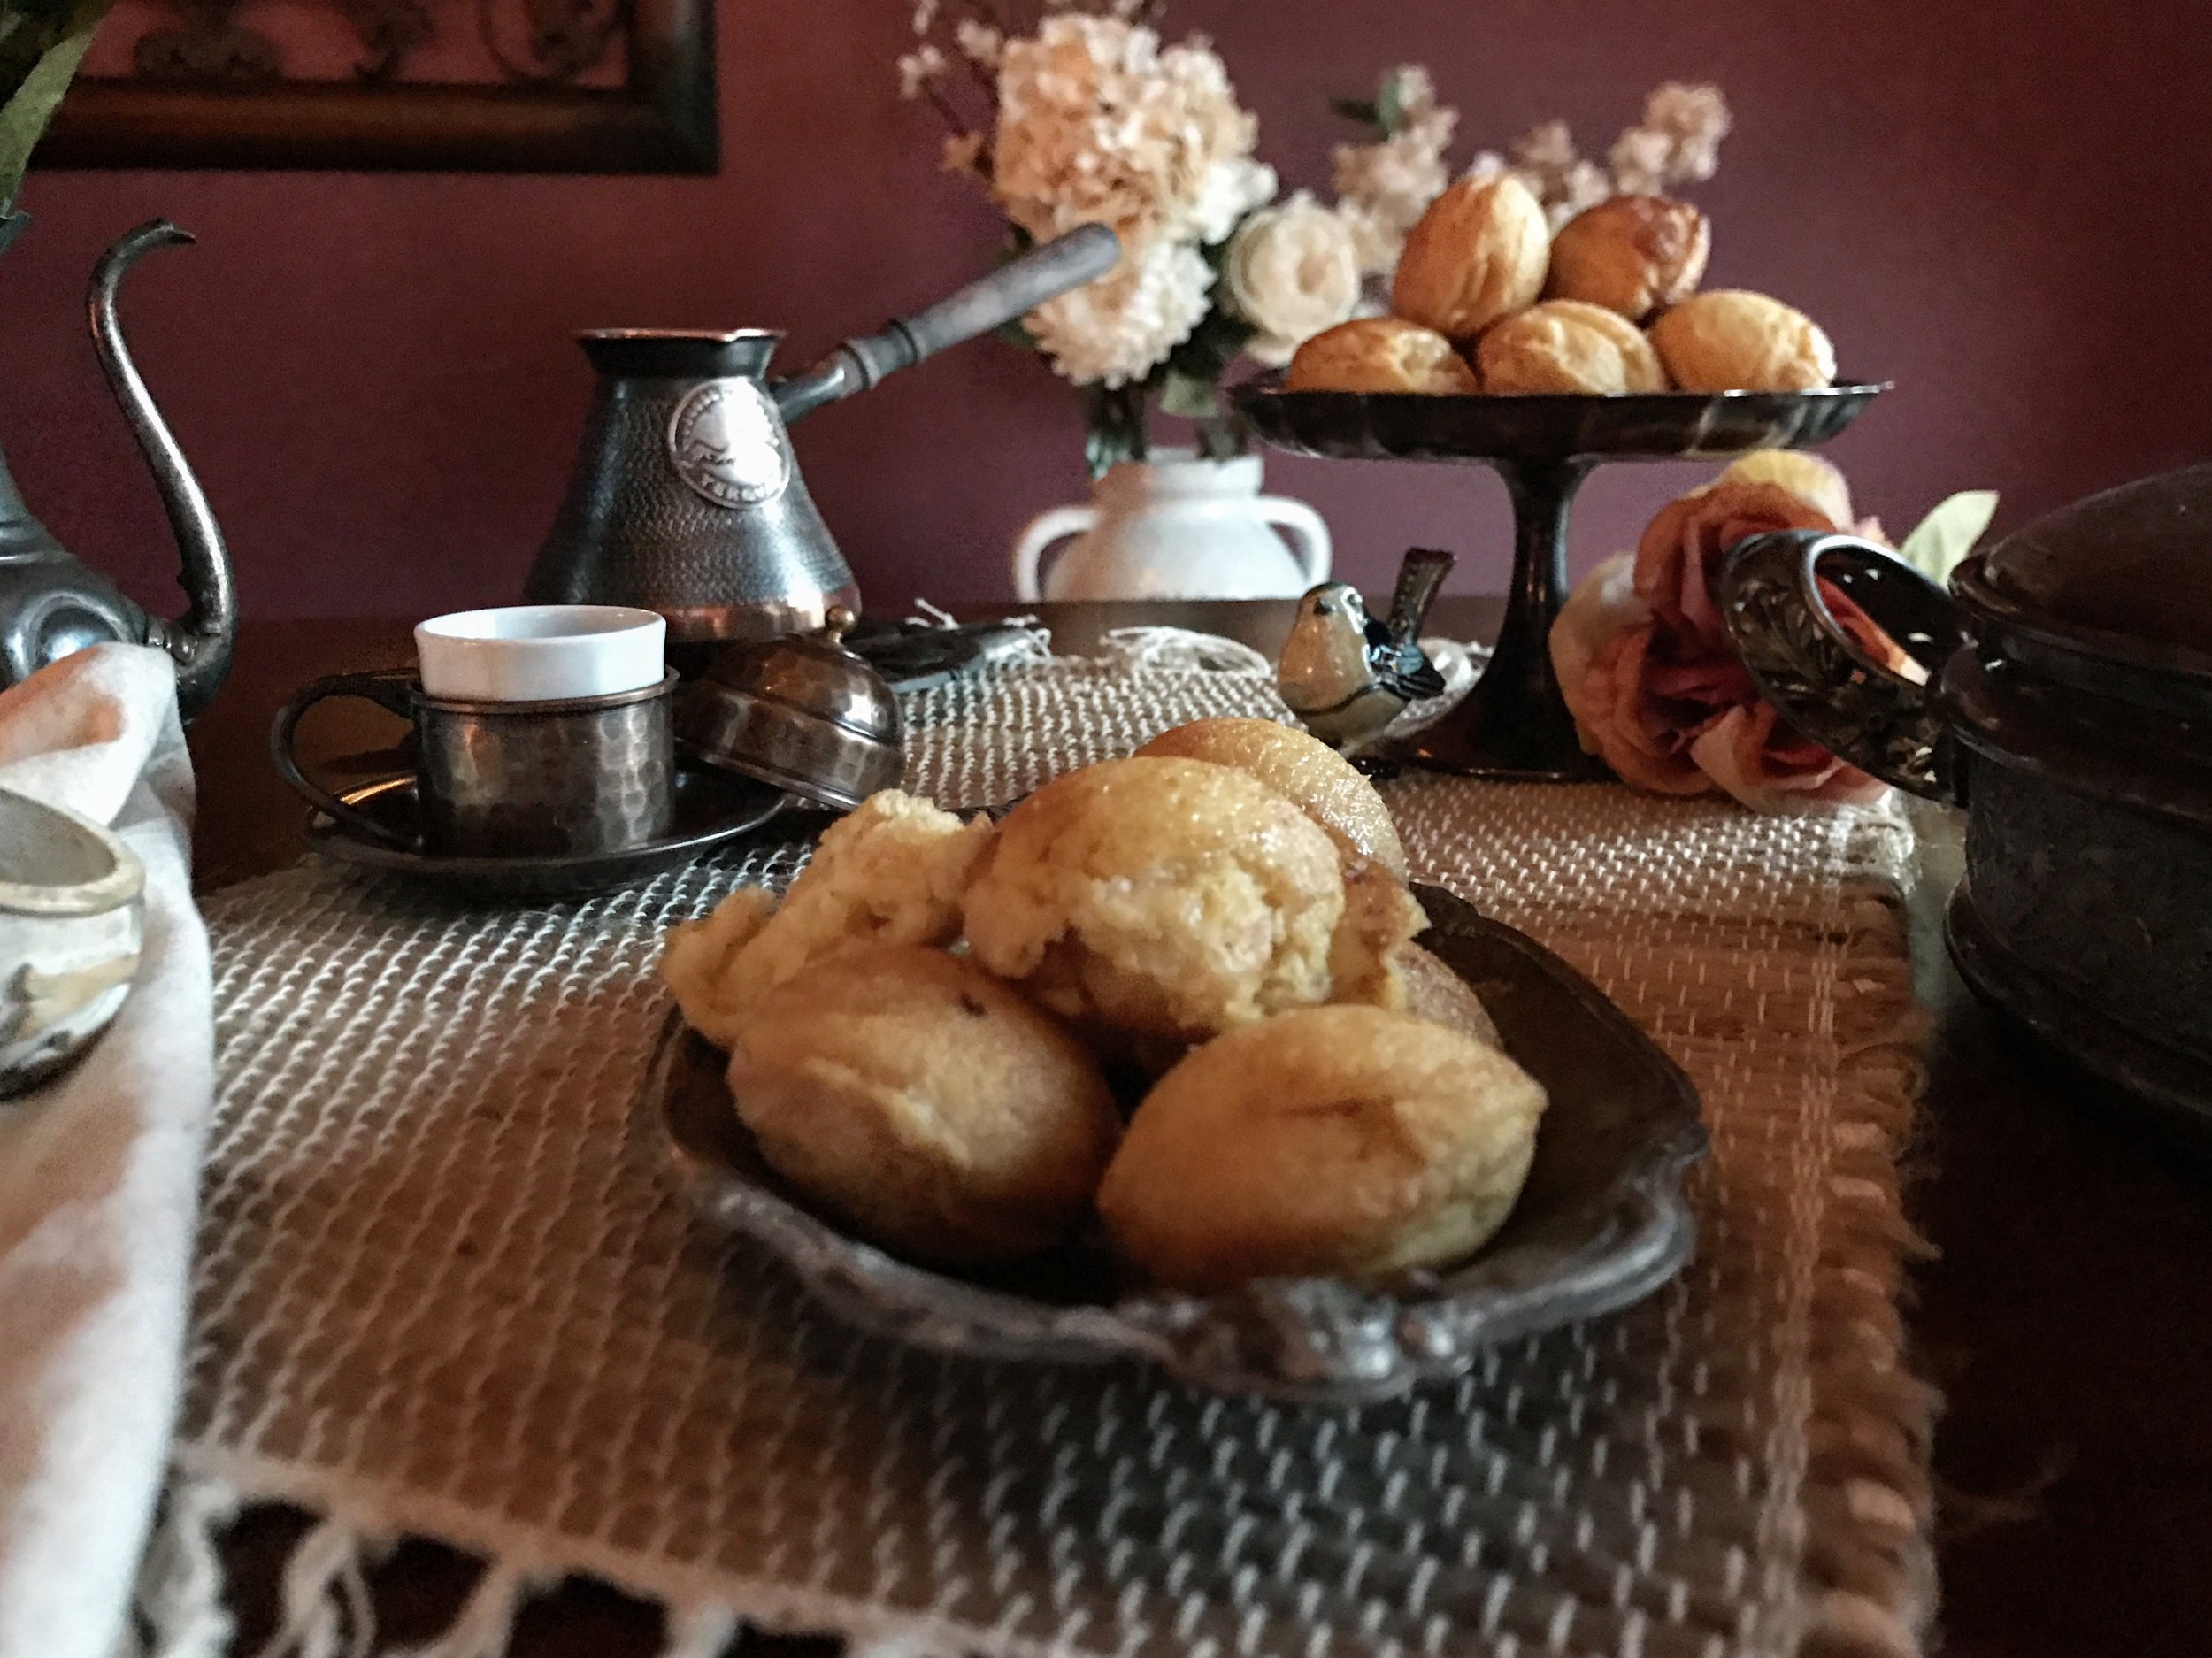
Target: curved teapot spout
x,y
200,641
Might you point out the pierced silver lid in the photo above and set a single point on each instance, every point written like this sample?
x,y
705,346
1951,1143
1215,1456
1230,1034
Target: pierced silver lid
x,y
800,712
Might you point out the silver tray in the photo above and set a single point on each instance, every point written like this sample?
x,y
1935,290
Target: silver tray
x,y
1601,1222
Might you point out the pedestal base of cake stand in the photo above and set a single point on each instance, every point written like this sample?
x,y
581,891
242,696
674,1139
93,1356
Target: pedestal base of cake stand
x,y
1514,724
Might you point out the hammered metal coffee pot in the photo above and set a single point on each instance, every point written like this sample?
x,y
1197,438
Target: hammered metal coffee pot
x,y
687,499
52,605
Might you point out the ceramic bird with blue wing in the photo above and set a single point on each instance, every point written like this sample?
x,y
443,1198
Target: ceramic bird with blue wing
x,y
1346,675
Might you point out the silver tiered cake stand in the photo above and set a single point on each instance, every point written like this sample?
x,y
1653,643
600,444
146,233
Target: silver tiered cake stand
x,y
1514,724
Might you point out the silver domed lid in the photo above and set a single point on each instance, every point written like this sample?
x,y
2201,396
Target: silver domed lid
x,y
802,712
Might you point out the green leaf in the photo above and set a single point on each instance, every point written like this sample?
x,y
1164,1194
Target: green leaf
x,y
1193,396
1212,346
1948,534
1225,438
1361,110
1115,419
1390,103
32,94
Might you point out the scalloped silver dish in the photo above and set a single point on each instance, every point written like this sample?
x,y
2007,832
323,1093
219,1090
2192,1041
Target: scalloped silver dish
x,y
1601,1222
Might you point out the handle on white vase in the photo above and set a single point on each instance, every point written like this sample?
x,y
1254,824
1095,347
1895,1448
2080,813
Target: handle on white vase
x,y
1055,525
1308,535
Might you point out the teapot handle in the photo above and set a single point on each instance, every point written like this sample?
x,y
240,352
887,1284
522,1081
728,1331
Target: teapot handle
x,y
1308,532
1826,686
1039,534
390,689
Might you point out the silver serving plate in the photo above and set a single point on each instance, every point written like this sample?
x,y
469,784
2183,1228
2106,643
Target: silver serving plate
x,y
1549,426
1601,1222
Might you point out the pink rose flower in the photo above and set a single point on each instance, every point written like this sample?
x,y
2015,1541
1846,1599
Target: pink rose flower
x,y
1601,649
1655,692
1681,550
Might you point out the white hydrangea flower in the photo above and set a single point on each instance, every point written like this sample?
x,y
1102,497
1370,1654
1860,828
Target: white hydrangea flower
x,y
1232,189
1098,123
964,153
1678,141
920,69
1640,157
979,44
1120,328
1545,158
1384,187
1292,270
1583,184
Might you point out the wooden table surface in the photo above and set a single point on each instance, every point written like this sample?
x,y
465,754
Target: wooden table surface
x,y
2066,1313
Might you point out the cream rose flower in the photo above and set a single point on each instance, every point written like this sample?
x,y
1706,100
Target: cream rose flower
x,y
1292,270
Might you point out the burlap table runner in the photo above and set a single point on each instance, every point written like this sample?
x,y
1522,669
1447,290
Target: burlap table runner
x,y
445,1288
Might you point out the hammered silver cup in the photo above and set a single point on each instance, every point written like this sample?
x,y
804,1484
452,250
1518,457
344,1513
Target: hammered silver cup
x,y
563,779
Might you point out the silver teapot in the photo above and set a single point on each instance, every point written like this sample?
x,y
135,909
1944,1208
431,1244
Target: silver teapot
x,y
687,498
50,604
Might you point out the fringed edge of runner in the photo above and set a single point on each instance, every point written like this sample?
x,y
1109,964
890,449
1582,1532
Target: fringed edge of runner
x,y
325,1609
1870,1559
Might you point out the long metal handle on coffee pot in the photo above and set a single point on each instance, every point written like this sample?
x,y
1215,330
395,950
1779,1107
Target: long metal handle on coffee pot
x,y
1012,290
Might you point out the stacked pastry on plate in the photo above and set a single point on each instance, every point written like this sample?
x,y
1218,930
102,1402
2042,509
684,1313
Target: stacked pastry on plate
x,y
1486,300
1175,993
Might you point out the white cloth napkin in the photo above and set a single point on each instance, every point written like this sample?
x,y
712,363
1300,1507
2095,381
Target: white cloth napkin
x,y
99,1173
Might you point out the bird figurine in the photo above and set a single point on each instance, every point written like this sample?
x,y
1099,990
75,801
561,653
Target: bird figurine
x,y
1345,675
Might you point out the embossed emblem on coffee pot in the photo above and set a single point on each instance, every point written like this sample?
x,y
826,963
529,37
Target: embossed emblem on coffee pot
x,y
725,441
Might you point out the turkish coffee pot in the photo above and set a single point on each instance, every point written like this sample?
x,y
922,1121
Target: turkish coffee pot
x,y
50,604
687,498
2062,693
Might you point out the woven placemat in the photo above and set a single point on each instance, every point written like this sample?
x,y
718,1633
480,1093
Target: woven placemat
x,y
445,1288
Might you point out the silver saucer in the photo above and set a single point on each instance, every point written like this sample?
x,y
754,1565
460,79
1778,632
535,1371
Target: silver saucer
x,y
710,809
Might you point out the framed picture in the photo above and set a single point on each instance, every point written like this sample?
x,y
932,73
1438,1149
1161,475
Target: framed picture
x,y
463,86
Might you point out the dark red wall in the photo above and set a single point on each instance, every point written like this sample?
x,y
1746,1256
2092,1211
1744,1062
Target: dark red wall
x,y
2002,206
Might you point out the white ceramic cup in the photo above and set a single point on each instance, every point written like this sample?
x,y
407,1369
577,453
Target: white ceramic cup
x,y
540,653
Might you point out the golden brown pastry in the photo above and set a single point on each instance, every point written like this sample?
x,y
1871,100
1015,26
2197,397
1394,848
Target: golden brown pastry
x,y
1563,345
1297,764
1808,476
1632,254
1384,354
1730,340
1477,254
1164,896
891,871
1380,919
927,1102
1332,1140
1435,993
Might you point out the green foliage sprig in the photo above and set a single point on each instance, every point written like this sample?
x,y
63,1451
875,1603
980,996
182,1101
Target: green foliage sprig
x,y
42,42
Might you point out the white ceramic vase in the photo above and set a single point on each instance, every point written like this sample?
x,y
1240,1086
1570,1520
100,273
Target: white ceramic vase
x,y
1175,528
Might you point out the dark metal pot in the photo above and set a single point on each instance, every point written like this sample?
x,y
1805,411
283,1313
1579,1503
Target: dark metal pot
x,y
2067,706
